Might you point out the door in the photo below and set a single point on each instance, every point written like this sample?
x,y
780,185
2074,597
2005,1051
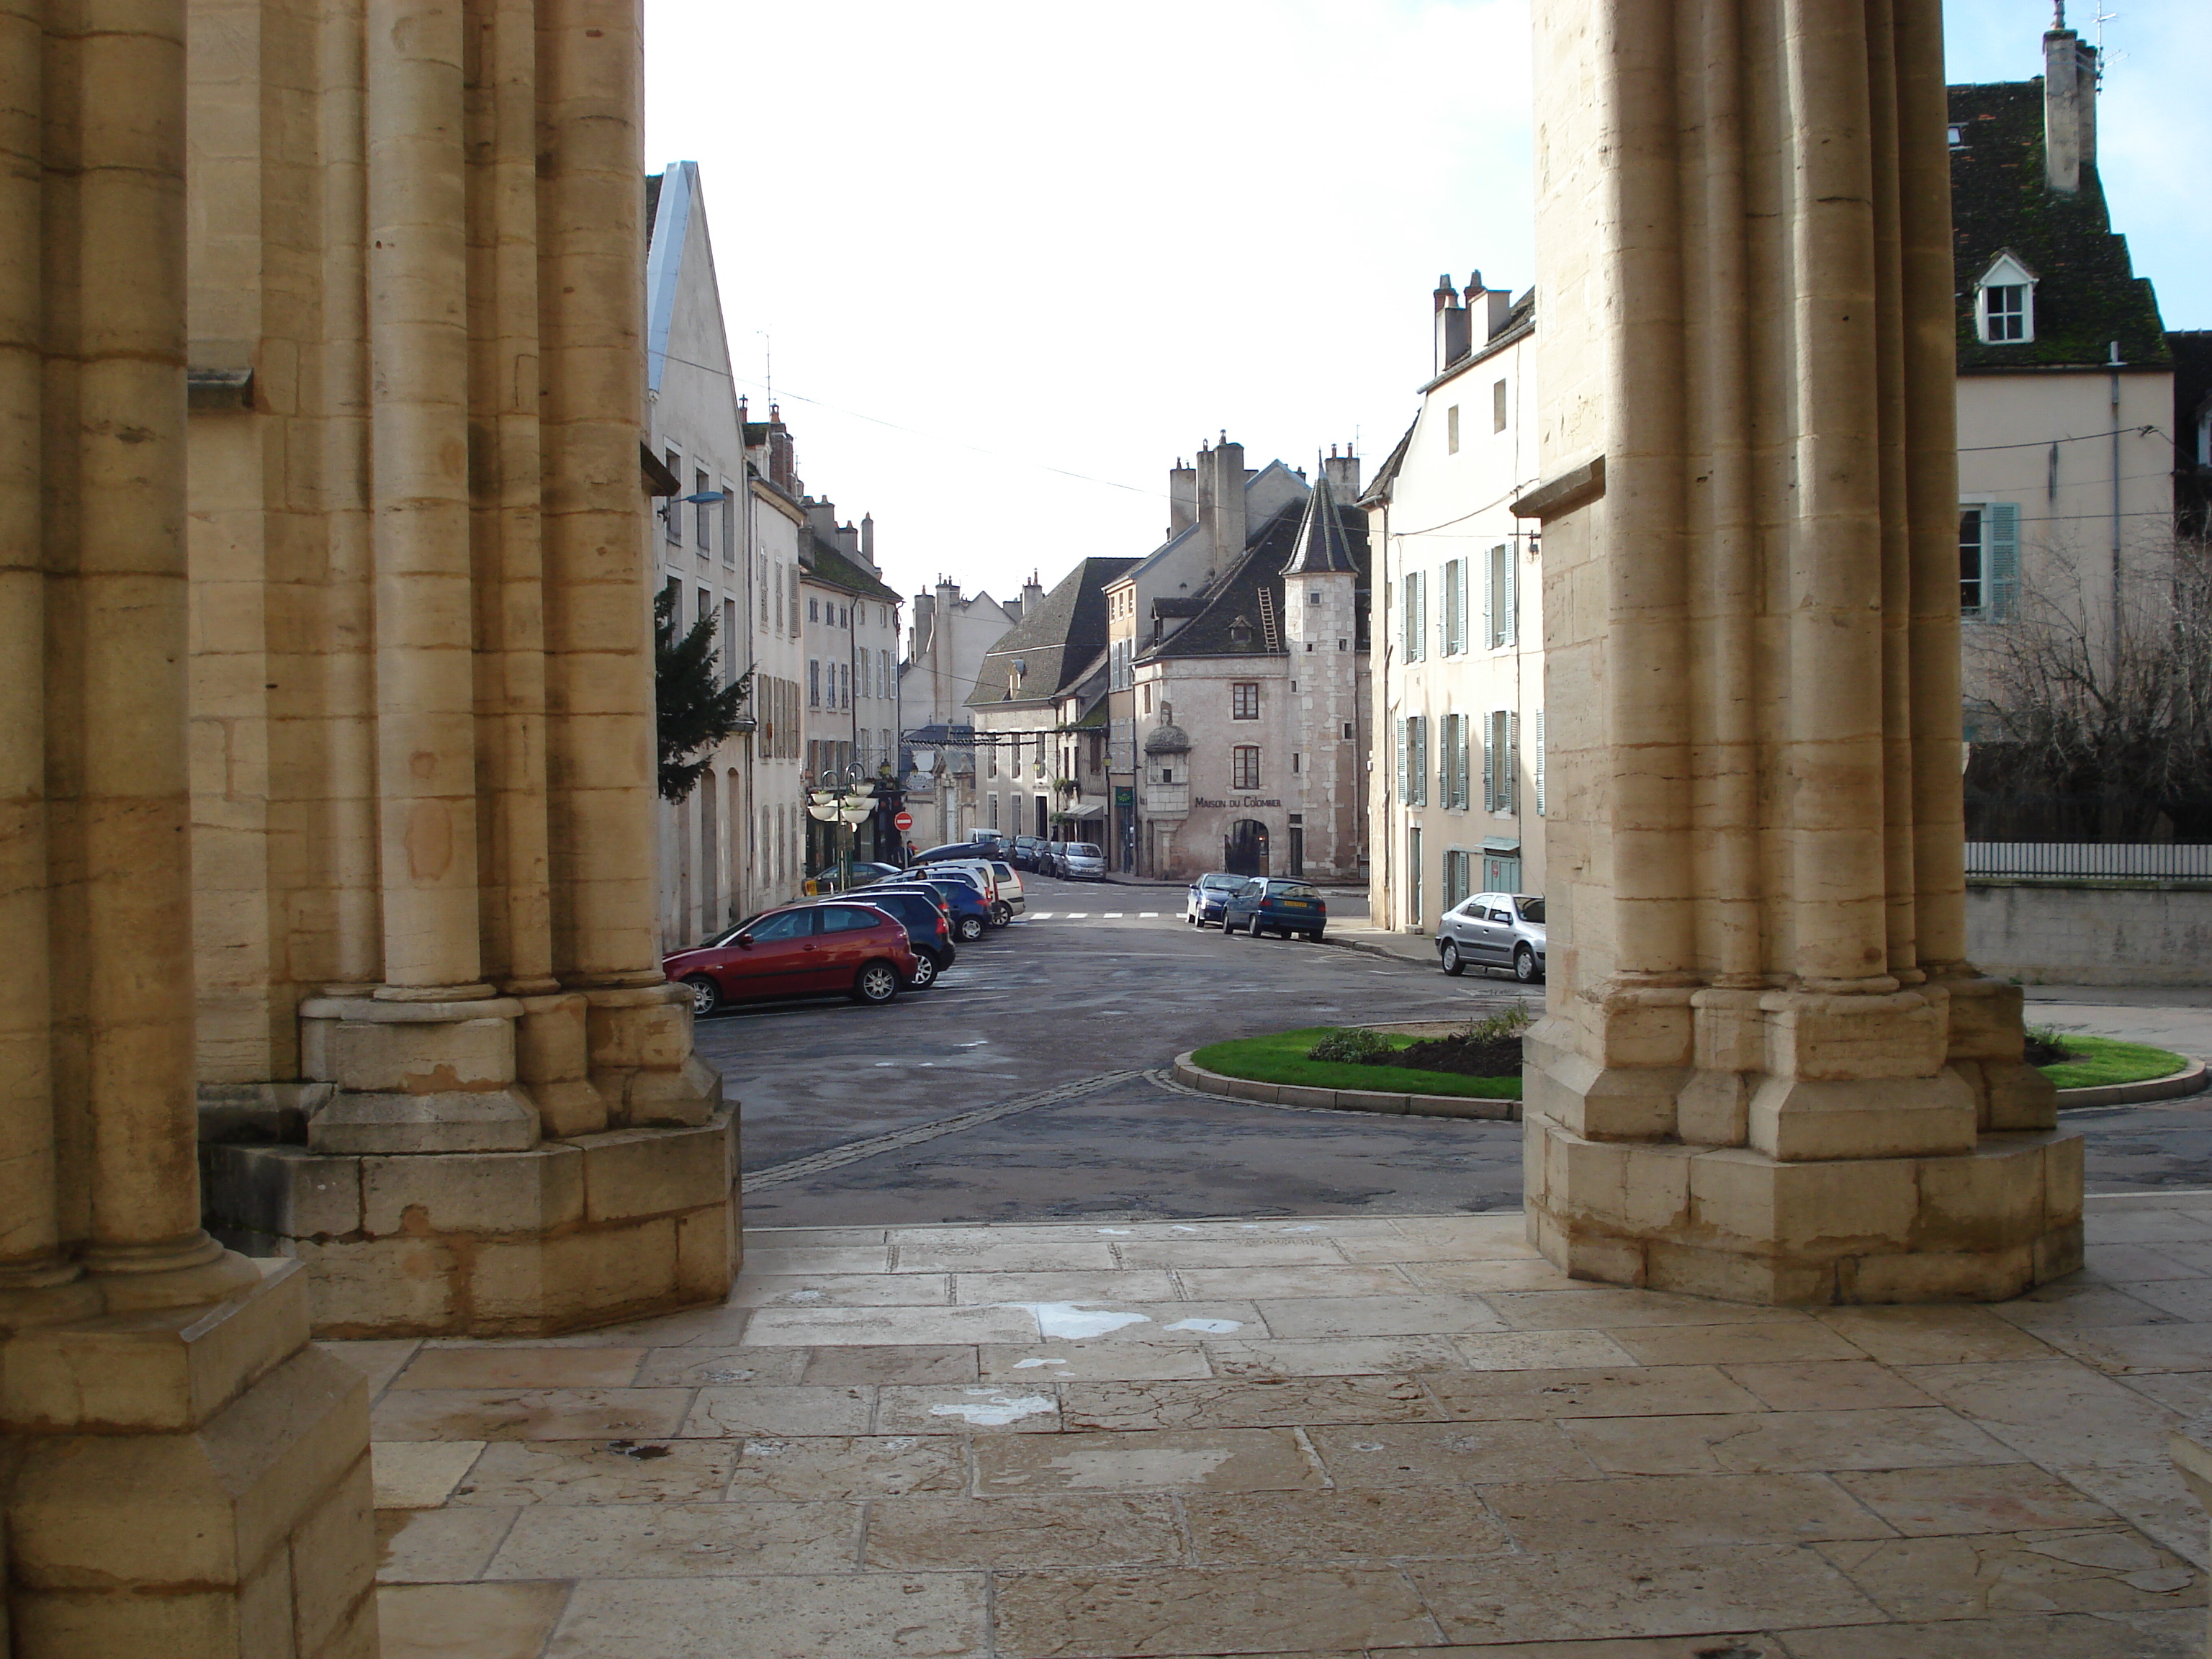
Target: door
x,y
848,939
1245,849
776,956
1297,851
1413,879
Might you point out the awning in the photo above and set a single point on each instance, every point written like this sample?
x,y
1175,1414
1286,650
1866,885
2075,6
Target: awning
x,y
1073,813
1502,849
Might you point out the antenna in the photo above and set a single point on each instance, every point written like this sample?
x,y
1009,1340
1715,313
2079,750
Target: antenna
x,y
768,361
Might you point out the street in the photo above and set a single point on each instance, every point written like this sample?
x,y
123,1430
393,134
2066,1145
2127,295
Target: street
x,y
1016,1089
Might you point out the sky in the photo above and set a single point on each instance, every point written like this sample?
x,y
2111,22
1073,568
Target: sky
x,y
1005,261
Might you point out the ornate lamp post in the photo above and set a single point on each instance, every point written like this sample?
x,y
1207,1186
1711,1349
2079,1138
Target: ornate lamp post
x,y
848,799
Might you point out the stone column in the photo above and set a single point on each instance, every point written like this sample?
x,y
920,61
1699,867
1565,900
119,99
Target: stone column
x,y
1765,1072
497,1123
183,1474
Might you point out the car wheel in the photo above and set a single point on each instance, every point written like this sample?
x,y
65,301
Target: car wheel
x,y
1524,966
706,996
968,929
877,981
1001,914
1314,936
1448,958
924,974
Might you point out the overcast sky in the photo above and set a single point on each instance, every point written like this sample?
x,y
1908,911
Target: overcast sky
x,y
1013,259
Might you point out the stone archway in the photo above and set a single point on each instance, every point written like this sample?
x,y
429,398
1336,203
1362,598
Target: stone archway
x,y
1244,849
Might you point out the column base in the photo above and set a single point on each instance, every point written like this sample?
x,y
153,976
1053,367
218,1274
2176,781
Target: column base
x,y
187,1484
567,1234
1738,1225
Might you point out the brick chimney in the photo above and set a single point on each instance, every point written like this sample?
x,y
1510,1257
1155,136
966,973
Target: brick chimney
x,y
2069,106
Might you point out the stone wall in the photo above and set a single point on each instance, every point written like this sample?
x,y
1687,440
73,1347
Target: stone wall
x,y
2059,932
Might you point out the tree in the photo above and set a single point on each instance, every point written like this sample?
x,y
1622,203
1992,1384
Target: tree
x,y
2100,725
694,713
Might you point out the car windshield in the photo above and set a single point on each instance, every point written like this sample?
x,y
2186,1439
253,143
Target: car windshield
x,y
1082,849
1227,883
1531,909
1291,890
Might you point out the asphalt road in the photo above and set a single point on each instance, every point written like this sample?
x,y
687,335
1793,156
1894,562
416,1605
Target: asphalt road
x,y
1017,1089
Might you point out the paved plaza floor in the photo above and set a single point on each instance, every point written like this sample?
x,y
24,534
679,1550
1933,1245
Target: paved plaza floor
x,y
1339,1436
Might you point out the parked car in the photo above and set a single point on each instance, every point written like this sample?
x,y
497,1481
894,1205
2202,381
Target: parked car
x,y
928,930
1081,860
1010,887
864,873
1494,930
1208,895
1031,853
984,872
971,912
798,950
958,850
1265,902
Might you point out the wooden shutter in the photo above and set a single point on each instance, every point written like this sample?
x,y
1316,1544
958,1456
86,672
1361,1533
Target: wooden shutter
x,y
1512,790
1405,738
2000,559
1539,763
1509,605
1489,770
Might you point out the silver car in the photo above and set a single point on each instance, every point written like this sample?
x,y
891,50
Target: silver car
x,y
1494,930
1082,860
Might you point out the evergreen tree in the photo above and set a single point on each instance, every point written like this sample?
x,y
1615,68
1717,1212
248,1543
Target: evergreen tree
x,y
693,712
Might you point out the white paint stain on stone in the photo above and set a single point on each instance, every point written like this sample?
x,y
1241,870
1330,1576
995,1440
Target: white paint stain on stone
x,y
1210,1327
1064,1321
1026,1365
996,1409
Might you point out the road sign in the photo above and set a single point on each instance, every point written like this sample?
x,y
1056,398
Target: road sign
x,y
905,821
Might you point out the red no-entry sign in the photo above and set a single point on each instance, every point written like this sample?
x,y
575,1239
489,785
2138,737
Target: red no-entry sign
x,y
904,820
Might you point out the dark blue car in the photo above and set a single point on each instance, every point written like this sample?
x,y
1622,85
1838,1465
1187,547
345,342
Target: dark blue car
x,y
1270,902
1208,896
971,916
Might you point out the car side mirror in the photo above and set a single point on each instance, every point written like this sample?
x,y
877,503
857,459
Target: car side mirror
x,y
744,941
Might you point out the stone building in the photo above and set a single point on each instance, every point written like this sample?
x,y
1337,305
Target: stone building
x,y
1034,705
1456,792
947,642
851,635
2066,381
696,428
773,527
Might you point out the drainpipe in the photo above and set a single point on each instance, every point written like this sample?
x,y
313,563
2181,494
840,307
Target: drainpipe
x,y
2114,423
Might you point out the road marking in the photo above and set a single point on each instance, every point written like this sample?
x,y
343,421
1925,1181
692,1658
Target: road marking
x,y
1041,915
1078,915
853,1151
1149,916
1111,916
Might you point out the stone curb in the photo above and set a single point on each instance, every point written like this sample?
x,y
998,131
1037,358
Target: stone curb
x,y
1193,1076
2189,1080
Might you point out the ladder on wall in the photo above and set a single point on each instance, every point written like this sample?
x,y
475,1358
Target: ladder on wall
x,y
1268,631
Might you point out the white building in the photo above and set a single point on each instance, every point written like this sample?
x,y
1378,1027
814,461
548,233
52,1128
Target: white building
x,y
1455,791
697,430
851,717
775,526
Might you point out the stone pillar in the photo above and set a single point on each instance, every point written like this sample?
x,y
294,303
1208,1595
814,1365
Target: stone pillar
x,y
1765,1071
182,1473
491,1119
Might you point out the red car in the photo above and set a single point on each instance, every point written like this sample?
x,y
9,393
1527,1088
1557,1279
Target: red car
x,y
800,950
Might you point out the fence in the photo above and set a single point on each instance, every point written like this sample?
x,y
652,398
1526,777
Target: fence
x,y
2093,860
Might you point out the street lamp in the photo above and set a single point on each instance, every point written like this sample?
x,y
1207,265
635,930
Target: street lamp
x,y
849,799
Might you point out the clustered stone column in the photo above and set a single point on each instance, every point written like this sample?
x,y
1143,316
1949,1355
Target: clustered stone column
x,y
1765,1071
181,1472
443,1068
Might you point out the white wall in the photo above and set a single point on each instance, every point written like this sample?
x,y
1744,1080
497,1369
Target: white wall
x,y
2047,934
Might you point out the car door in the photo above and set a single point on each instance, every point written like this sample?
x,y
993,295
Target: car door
x,y
772,957
1250,897
848,939
1478,938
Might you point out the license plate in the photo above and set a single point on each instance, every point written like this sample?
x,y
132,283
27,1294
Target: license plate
x,y
1296,904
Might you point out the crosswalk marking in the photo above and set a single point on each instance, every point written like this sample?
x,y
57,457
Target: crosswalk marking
x,y
1040,915
1111,916
1078,915
1148,916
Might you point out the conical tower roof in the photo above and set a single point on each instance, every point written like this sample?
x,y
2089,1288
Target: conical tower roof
x,y
1320,548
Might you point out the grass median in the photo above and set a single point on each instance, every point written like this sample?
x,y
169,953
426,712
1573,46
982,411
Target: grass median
x,y
2099,1062
1282,1058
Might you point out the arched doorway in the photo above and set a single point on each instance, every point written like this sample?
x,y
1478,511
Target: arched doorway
x,y
1244,849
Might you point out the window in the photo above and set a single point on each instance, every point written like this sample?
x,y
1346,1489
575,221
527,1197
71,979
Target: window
x,y
784,923
1451,430
703,523
2005,302
705,607
1459,876
1455,760
1451,637
1244,700
1501,740
762,561
1414,760
729,525
1498,407
1298,762
1244,767
813,609
813,682
672,514
1415,615
848,919
1539,763
1348,732
795,602
1500,602
1956,136
729,632
1988,560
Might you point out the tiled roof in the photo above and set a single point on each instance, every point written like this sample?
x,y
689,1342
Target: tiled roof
x,y
826,565
1322,549
2087,294
1057,643
1235,598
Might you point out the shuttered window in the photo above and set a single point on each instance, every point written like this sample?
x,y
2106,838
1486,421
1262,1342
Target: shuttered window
x,y
1539,759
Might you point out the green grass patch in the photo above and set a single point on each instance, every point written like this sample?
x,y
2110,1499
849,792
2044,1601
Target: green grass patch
x,y
2105,1060
1282,1058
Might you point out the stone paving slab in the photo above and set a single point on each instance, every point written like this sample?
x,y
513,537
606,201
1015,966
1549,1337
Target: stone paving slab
x,y
1335,1438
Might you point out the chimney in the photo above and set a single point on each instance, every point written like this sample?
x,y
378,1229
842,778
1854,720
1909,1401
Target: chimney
x,y
1342,472
1451,324
1497,305
1182,498
868,540
848,540
1221,503
2069,106
822,519
1032,596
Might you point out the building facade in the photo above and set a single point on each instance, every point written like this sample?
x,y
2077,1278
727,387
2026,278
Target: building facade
x,y
775,526
1456,793
850,722
950,635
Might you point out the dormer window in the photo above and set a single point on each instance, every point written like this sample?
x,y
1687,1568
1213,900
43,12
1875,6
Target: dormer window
x,y
2005,303
1958,137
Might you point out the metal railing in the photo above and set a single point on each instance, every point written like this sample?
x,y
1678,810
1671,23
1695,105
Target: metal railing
x,y
2092,860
